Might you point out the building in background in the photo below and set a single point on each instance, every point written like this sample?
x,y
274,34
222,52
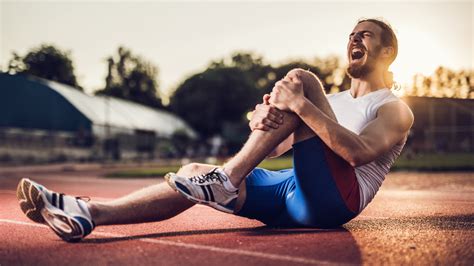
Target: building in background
x,y
44,121
441,125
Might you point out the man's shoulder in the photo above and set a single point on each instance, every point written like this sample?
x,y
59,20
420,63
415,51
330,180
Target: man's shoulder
x,y
397,110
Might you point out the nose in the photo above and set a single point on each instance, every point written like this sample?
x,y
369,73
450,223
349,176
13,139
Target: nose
x,y
357,37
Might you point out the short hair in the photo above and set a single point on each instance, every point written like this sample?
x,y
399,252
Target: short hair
x,y
388,36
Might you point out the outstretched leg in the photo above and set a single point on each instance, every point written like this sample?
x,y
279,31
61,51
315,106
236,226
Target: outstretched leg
x,y
72,218
154,203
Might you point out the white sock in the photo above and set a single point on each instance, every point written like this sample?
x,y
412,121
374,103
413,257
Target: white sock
x,y
227,184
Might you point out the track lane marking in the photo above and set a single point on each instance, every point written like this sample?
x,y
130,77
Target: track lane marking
x,y
368,217
202,247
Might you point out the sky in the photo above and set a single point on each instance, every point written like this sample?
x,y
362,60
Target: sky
x,y
183,37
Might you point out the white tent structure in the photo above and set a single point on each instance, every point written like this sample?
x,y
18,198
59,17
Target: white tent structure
x,y
46,119
121,116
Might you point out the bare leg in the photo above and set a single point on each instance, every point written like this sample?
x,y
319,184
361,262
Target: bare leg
x,y
261,143
154,203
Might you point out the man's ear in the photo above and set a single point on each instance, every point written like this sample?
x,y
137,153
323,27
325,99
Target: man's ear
x,y
387,52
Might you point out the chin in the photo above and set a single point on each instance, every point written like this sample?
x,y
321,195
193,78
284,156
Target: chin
x,y
359,69
354,71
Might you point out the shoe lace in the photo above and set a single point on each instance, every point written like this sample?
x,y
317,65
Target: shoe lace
x,y
84,198
208,177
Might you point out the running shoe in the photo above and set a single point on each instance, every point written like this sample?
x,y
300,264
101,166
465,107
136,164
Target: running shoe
x,y
68,216
213,189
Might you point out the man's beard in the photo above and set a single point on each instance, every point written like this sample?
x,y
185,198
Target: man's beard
x,y
362,70
358,71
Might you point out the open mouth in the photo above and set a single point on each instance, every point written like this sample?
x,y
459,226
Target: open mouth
x,y
357,53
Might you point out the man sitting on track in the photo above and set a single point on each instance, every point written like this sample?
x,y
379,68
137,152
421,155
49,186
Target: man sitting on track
x,y
344,144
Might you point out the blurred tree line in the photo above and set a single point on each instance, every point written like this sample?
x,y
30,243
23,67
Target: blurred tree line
x,y
216,101
129,76
444,83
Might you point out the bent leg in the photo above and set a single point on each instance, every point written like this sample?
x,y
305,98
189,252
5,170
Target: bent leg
x,y
154,203
261,143
326,190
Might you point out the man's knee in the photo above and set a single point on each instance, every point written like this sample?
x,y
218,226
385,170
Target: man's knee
x,y
309,79
298,72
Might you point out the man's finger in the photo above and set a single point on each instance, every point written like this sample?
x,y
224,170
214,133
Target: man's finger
x,y
293,74
297,80
275,118
252,125
266,99
277,113
270,123
262,127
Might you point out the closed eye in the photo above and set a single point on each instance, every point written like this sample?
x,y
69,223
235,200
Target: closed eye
x,y
363,34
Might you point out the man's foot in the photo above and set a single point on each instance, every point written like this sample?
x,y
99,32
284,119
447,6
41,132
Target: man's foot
x,y
69,217
213,189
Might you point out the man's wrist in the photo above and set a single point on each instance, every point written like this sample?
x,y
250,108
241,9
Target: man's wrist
x,y
299,105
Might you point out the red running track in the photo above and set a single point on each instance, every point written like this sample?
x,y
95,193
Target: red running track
x,y
417,218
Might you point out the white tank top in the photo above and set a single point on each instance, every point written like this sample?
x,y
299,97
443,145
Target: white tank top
x,y
354,114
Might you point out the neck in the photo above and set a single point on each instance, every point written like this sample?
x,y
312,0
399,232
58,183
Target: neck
x,y
367,84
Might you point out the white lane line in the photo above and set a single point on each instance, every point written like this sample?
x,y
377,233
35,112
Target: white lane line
x,y
22,223
201,247
367,217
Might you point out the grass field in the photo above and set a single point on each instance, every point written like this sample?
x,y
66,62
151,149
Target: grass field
x,y
422,162
437,162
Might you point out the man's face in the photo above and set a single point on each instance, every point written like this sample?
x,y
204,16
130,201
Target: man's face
x,y
363,49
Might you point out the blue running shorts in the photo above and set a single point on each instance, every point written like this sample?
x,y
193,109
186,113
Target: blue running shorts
x,y
320,191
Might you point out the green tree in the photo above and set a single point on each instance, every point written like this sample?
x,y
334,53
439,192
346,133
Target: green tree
x,y
260,74
45,61
132,78
215,99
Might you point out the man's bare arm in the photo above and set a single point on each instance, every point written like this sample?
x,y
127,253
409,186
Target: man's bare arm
x,y
389,128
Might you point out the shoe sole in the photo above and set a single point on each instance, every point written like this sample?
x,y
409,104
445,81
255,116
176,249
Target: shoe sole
x,y
34,205
65,226
30,200
215,205
168,178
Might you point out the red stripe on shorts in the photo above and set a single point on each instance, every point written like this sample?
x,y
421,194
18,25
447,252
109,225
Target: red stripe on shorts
x,y
345,178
